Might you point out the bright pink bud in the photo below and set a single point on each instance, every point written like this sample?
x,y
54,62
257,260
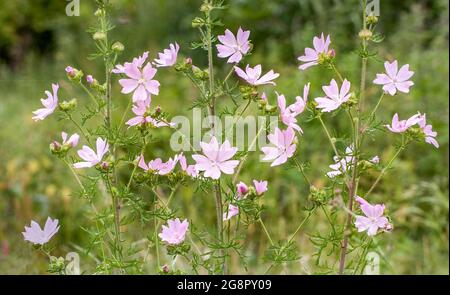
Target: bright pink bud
x,y
70,71
242,188
89,79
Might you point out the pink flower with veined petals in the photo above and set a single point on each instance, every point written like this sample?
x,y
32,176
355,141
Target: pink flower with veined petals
x,y
373,219
71,141
311,56
402,125
233,47
168,57
50,104
284,146
253,75
232,211
216,158
395,79
428,131
242,189
91,157
300,104
158,166
138,61
36,235
140,82
334,98
287,116
260,186
175,231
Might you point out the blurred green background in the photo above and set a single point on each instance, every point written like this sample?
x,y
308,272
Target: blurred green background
x,y
37,41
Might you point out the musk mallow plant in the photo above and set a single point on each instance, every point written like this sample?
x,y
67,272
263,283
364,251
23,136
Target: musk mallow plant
x,y
114,170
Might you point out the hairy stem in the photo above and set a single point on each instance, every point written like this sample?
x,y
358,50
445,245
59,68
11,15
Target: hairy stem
x,y
354,180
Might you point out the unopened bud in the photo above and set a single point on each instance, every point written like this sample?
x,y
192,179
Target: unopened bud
x,y
118,47
55,147
99,36
198,22
99,12
365,34
67,106
371,19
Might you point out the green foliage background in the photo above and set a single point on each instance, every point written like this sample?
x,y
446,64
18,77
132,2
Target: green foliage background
x,y
37,41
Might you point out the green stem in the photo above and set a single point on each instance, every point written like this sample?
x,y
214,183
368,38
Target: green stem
x,y
300,167
337,72
372,115
383,172
83,132
329,136
266,232
354,182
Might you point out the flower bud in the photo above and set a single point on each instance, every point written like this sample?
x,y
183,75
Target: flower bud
x,y
70,72
198,22
99,12
270,108
365,34
117,47
55,147
104,166
200,74
242,189
99,36
371,19
165,268
67,106
90,79
206,7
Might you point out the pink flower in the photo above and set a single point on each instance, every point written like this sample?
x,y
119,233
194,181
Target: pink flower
x,y
169,57
242,189
233,47
140,82
232,211
260,187
311,56
395,79
175,232
428,131
287,116
36,235
137,61
253,75
334,98
72,141
158,166
189,169
341,165
216,158
91,157
374,218
50,104
300,105
140,109
284,146
403,125
375,160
